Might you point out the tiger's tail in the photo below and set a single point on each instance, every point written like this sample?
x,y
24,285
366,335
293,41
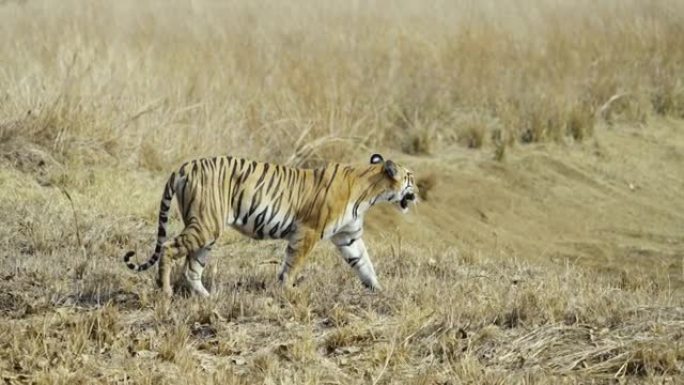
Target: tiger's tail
x,y
165,206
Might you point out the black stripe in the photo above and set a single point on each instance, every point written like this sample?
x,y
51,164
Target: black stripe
x,y
188,205
353,261
280,179
195,165
286,219
362,197
232,185
274,230
181,196
222,184
239,205
291,177
289,229
181,170
263,175
332,178
355,210
323,226
270,181
167,192
192,238
366,171
224,164
321,178
172,181
256,201
232,173
246,174
275,208
302,186
185,203
259,220
289,188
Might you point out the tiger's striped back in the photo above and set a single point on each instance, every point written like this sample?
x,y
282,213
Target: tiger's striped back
x,y
262,200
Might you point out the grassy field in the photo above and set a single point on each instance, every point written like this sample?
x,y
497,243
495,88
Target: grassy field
x,y
549,138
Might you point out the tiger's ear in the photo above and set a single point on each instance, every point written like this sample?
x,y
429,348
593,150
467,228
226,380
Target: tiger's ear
x,y
390,168
376,158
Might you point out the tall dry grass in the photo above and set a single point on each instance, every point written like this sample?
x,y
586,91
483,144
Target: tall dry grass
x,y
150,83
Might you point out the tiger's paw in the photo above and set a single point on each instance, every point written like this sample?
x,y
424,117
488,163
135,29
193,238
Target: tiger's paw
x,y
372,286
168,293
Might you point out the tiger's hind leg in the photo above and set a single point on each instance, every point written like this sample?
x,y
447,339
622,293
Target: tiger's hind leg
x,y
189,241
194,266
298,249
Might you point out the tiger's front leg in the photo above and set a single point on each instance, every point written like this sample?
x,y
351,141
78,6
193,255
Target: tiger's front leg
x,y
354,252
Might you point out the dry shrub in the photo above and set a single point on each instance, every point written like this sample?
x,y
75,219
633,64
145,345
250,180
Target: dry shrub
x,y
173,345
346,337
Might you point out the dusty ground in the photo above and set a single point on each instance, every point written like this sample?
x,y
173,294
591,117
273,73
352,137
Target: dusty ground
x,y
562,263
614,203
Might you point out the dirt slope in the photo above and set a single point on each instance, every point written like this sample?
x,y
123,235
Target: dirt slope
x,y
616,202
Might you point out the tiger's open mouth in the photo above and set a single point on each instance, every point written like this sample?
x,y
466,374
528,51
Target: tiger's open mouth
x,y
406,199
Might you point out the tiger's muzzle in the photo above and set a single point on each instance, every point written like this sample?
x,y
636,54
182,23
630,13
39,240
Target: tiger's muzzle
x,y
406,199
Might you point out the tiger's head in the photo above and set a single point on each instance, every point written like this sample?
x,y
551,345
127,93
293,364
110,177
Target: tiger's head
x,y
398,185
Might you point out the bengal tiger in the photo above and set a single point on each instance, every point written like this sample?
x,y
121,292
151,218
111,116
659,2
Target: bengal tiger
x,y
265,200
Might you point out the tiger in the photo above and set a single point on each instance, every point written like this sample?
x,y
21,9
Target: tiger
x,y
267,200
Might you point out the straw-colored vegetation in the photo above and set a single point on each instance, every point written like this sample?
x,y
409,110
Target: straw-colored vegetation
x,y
548,136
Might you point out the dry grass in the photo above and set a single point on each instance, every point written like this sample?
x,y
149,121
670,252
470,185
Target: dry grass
x,y
562,264
136,81
445,316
